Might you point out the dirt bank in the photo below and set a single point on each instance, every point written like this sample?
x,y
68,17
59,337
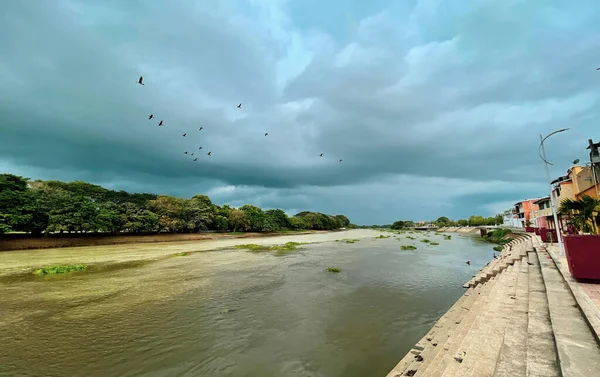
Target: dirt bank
x,y
20,261
26,242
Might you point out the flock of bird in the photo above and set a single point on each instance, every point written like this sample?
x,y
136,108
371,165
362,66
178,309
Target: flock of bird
x,y
160,124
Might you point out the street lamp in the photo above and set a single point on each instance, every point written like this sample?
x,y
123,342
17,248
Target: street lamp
x,y
546,163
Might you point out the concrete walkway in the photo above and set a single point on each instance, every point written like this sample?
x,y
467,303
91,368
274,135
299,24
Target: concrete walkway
x,y
518,318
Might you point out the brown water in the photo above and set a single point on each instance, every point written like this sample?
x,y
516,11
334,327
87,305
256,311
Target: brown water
x,y
236,313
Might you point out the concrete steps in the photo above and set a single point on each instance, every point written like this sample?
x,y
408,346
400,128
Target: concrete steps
x,y
512,359
578,352
517,319
542,359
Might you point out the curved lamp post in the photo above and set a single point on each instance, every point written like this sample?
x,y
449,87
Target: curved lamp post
x,y
546,163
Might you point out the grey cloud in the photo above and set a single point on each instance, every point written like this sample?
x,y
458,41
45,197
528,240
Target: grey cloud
x,y
455,92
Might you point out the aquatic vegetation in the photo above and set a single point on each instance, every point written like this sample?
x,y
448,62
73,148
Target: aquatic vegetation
x,y
497,248
434,243
382,236
350,241
287,247
425,240
334,269
52,270
183,254
253,247
447,237
408,247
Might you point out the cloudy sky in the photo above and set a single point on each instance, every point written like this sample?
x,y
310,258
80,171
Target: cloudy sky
x,y
435,107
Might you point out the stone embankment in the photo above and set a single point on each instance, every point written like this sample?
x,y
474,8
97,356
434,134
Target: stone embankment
x,y
517,318
463,229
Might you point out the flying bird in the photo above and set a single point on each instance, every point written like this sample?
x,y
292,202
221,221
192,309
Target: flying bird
x,y
266,134
184,134
321,155
209,153
195,159
468,262
240,106
200,129
598,69
160,123
341,160
140,80
199,148
150,116
192,154
185,152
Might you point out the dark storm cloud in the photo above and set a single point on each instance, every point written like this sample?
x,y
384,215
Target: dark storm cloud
x,y
430,90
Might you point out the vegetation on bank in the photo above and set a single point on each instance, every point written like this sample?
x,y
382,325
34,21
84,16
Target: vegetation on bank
x,y
334,269
499,236
53,270
497,248
39,207
408,247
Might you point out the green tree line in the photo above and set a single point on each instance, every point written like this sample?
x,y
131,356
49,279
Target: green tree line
x,y
39,207
444,221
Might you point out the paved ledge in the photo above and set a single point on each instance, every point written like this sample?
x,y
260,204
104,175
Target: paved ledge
x,y
587,295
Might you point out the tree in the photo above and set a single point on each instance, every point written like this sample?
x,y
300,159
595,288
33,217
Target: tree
x,y
499,219
442,221
398,225
298,223
171,211
463,222
278,218
476,220
256,217
221,223
584,211
238,220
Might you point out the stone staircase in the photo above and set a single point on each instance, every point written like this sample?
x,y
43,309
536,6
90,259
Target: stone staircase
x,y
516,319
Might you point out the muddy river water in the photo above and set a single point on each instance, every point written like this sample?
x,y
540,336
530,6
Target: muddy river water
x,y
230,312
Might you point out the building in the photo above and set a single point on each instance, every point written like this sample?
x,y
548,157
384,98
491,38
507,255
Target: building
x,y
522,213
542,216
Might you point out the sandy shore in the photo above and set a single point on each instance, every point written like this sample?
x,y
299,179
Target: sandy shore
x,y
20,261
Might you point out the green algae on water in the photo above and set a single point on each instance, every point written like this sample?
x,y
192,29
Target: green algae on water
x,y
408,247
53,270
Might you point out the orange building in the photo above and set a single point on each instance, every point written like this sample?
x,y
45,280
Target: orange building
x,y
523,210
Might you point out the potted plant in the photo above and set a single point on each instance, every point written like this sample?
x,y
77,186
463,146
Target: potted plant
x,y
528,227
583,250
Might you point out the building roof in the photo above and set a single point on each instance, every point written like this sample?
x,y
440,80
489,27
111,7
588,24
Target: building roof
x,y
527,200
542,199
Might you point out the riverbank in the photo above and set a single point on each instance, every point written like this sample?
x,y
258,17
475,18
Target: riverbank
x,y
517,318
10,242
20,261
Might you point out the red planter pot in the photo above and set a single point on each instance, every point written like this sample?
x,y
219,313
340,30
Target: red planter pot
x,y
537,231
529,229
583,256
548,235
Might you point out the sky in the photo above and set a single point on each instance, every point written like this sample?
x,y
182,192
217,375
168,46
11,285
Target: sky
x,y
435,107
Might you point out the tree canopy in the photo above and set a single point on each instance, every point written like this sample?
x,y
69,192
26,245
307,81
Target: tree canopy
x,y
53,206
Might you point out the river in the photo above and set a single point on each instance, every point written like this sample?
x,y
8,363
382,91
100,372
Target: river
x,y
234,312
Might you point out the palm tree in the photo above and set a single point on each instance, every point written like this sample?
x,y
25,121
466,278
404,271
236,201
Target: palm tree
x,y
586,212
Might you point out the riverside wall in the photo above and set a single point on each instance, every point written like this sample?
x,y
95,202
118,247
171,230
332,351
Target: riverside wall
x,y
518,317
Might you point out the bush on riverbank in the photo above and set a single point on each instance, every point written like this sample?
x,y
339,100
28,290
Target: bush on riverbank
x,y
408,247
498,248
53,270
499,236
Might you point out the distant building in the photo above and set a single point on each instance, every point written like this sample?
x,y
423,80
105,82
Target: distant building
x,y
522,213
542,216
